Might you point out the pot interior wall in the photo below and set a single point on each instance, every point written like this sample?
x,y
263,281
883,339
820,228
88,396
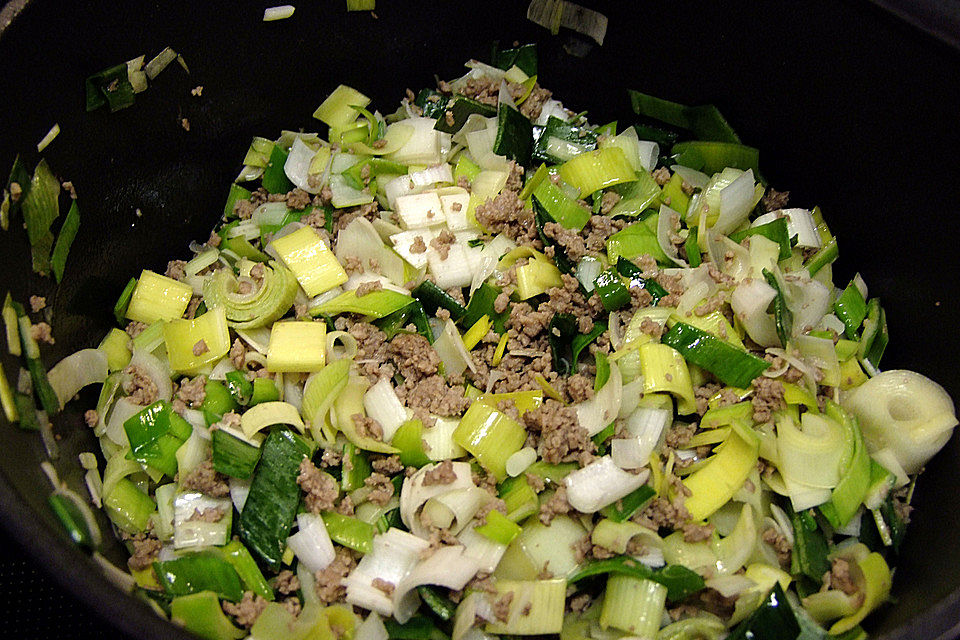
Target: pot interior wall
x,y
851,110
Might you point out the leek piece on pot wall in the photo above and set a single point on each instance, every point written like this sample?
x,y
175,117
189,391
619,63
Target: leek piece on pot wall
x,y
297,346
905,412
311,261
191,344
158,297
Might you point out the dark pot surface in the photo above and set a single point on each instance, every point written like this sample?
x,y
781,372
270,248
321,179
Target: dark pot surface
x,y
851,109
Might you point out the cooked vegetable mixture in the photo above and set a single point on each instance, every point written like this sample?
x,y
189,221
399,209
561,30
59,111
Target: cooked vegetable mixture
x,y
480,367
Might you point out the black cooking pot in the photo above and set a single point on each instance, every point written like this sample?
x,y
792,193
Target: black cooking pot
x,y
852,109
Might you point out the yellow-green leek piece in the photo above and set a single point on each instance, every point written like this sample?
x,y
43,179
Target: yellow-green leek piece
x,y
535,608
201,614
875,586
376,304
311,261
491,436
158,297
260,307
337,110
116,345
599,169
349,403
297,346
713,485
193,344
266,414
633,605
665,370
319,392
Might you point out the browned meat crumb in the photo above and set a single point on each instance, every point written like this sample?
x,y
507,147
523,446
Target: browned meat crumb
x,y
709,305
533,105
433,395
243,209
145,551
41,332
388,465
441,473
562,439
247,610
779,543
320,489
175,269
286,582
383,585
579,388
327,580
206,479
185,123
441,244
774,200
501,606
579,603
514,177
192,392
382,488
299,199
767,398
367,427
214,240
197,91
679,435
661,512
555,506
91,417
207,515
661,175
368,287
695,532
15,191
418,245
506,214
598,229
134,329
139,387
345,506
609,201
200,347
414,356
536,482
840,578
570,240
463,182
37,303
238,354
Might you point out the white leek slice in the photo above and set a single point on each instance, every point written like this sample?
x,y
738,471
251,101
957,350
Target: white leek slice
x,y
419,210
383,405
311,543
447,567
800,223
749,302
414,494
600,410
424,145
404,241
645,426
395,553
67,377
600,483
191,531
297,166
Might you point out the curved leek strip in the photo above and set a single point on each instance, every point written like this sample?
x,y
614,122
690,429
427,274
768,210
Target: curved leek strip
x,y
319,392
396,135
817,455
713,323
258,308
155,369
448,567
905,412
714,484
615,536
665,370
736,549
377,304
395,554
633,605
76,371
749,302
490,436
594,170
207,335
266,414
875,585
600,410
699,627
600,483
350,403
117,468
414,494
536,606
854,484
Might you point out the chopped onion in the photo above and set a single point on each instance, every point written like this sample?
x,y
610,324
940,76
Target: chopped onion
x,y
278,13
395,553
67,377
311,543
600,483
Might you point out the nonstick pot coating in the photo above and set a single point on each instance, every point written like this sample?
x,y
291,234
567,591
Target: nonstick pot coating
x,y
852,110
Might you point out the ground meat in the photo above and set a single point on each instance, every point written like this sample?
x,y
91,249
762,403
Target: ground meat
x,y
598,229
694,532
192,392
207,515
679,435
533,105
501,606
536,482
579,388
418,245
383,585
200,347
501,302
175,269
570,240
514,177
368,287
206,479
661,175
555,506
41,332
779,543
609,201
388,465
345,506
140,388
238,354
414,357
145,551
37,303
709,305
506,214
320,489
663,513
327,581
287,582
442,242
247,610
583,549
434,395
440,474
372,351
767,398
579,603
463,182
299,199
382,488
243,209
134,329
562,439
91,418
367,427
774,200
